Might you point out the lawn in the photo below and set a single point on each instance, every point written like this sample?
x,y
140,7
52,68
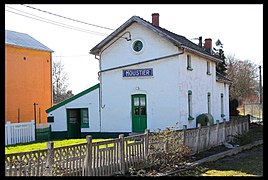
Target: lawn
x,y
33,146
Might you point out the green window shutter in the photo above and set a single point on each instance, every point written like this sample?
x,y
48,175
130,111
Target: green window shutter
x,y
84,118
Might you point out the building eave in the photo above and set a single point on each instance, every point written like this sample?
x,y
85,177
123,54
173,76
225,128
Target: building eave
x,y
18,46
73,98
160,31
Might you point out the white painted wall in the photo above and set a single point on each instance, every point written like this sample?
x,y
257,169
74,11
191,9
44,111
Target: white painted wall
x,y
121,52
116,90
166,91
90,101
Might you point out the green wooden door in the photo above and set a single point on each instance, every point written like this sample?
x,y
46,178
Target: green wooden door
x,y
139,113
74,123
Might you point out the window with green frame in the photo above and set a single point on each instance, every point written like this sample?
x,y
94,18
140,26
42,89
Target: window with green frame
x,y
189,63
209,103
190,109
208,68
222,106
84,118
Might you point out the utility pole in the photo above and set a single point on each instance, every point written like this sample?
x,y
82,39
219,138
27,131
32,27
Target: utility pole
x,y
260,86
35,119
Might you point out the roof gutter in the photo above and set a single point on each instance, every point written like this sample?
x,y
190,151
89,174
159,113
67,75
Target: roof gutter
x,y
202,54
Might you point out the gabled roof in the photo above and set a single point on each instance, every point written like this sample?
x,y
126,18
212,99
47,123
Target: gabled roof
x,y
73,97
177,40
14,38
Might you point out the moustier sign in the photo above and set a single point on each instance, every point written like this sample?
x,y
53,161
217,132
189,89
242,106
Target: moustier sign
x,y
137,72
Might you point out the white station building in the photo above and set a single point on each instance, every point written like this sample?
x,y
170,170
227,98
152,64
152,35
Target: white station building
x,y
150,78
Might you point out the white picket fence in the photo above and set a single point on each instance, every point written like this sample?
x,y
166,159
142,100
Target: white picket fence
x,y
19,132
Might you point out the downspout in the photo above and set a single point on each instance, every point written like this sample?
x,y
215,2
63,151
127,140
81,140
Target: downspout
x,y
51,83
99,74
99,77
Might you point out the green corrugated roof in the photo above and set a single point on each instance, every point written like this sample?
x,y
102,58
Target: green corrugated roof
x,y
73,97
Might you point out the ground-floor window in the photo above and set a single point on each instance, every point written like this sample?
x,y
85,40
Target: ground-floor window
x,y
84,118
209,103
222,106
190,104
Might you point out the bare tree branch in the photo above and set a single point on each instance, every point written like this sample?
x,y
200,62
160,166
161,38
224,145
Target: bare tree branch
x,y
59,82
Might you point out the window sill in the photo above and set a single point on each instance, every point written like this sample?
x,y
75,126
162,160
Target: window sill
x,y
85,126
189,68
208,73
190,118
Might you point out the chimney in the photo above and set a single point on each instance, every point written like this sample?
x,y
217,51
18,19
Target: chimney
x,y
155,19
208,45
200,41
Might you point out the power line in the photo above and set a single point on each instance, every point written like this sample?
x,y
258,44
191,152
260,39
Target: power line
x,y
67,17
71,55
57,23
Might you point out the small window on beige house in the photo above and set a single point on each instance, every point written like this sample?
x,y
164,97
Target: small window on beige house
x,y
189,63
208,68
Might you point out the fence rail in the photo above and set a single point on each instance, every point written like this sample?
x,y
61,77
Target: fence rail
x,y
19,132
116,156
25,132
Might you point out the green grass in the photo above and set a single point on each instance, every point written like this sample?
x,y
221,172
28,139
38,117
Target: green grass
x,y
33,146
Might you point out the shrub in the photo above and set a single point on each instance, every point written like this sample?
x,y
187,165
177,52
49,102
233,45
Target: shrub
x,y
204,118
166,148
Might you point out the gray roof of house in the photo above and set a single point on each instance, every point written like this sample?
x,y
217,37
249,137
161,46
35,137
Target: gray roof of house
x,y
24,40
177,40
222,78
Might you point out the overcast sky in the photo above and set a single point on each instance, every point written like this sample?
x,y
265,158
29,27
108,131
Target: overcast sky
x,y
238,26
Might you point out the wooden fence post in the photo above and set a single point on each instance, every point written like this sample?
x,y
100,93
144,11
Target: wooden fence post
x,y
8,132
49,132
146,145
217,132
224,130
122,154
231,129
88,159
184,134
50,158
241,126
197,138
248,121
208,135
33,130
